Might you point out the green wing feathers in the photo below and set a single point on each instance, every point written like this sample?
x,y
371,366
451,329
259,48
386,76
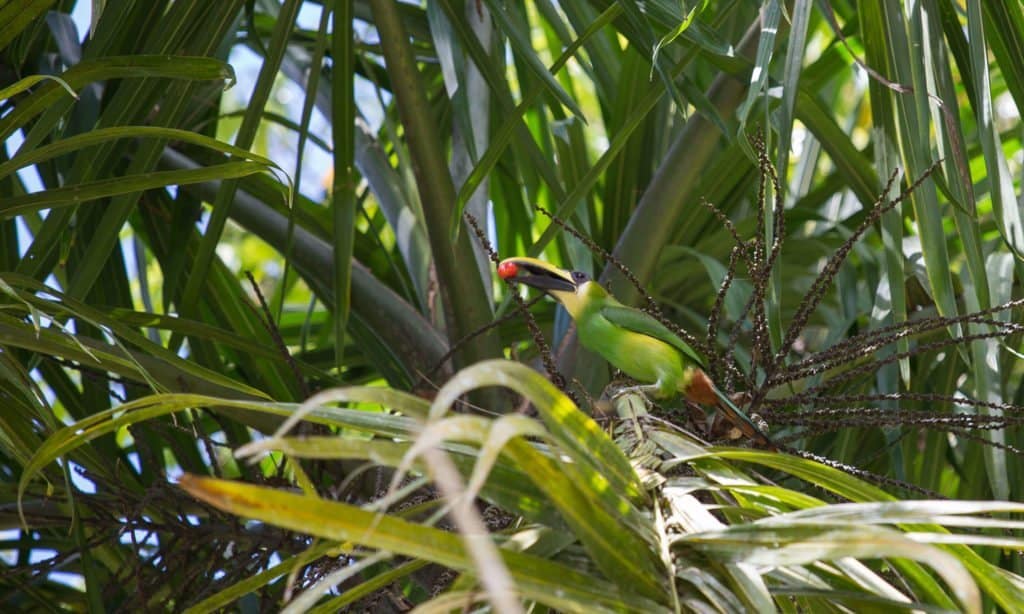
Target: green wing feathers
x,y
640,322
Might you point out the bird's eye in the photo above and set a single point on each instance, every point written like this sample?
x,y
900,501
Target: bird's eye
x,y
579,276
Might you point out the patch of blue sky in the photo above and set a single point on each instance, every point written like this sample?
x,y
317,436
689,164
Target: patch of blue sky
x,y
82,483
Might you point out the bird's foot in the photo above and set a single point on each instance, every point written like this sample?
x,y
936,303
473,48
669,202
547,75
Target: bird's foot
x,y
650,391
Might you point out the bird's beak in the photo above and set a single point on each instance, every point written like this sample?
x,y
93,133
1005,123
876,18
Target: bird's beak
x,y
537,274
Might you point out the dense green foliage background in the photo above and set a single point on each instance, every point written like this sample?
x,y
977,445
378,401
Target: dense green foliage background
x,y
331,149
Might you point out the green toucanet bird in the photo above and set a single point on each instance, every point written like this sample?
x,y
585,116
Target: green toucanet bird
x,y
631,340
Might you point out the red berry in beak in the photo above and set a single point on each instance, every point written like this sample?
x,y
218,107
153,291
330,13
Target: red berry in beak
x,y
507,270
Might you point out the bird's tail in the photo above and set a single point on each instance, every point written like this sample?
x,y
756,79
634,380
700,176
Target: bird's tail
x,y
703,390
